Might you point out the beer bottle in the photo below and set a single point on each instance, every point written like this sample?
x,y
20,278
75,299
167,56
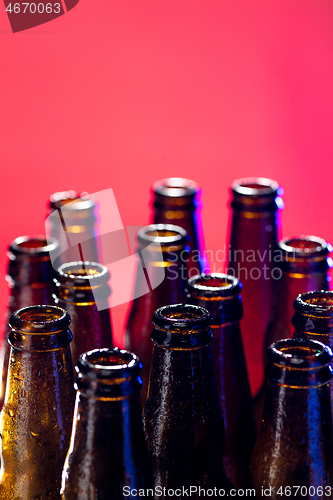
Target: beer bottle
x,y
255,204
304,266
107,458
220,295
30,279
182,416
72,221
293,455
178,201
313,318
82,289
161,247
36,419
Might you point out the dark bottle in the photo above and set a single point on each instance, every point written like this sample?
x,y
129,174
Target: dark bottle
x,y
304,265
161,248
313,318
72,221
30,279
36,418
178,201
293,456
107,458
220,295
255,224
82,289
182,417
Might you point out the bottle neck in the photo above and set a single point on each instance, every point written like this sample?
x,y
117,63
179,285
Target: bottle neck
x,y
313,316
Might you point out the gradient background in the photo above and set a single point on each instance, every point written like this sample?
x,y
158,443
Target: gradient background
x,y
119,94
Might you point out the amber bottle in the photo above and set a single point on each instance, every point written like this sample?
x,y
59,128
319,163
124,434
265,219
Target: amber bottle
x,y
304,264
255,223
220,295
107,458
293,456
30,279
313,318
178,201
82,289
161,247
36,419
72,221
182,416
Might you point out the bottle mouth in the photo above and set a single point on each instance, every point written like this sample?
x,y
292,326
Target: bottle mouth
x,y
103,363
256,187
182,317
79,273
71,200
40,320
299,354
33,246
304,247
176,187
315,303
163,235
214,285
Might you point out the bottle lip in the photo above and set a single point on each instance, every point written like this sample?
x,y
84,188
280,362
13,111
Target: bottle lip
x,y
298,248
184,318
260,187
315,303
40,320
299,353
82,273
71,201
176,187
214,285
108,363
33,246
162,234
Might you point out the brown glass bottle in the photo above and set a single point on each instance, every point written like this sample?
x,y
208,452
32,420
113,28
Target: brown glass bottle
x,y
293,455
36,418
220,295
82,289
72,221
30,279
107,458
178,201
304,264
182,416
255,224
313,318
161,247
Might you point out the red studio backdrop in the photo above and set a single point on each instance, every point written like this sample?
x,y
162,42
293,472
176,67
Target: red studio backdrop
x,y
118,94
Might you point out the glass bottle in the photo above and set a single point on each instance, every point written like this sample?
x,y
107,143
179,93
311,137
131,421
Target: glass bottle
x,y
220,295
304,264
178,201
161,247
293,455
313,318
182,416
82,289
72,221
107,458
30,280
36,419
255,225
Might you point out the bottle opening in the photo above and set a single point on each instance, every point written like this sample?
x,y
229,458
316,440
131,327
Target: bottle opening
x,y
299,353
164,234
305,246
112,359
214,285
40,316
78,271
256,186
108,363
182,316
33,245
40,319
175,187
318,303
71,200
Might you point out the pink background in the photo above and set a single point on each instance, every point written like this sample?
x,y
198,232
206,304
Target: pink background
x,y
119,94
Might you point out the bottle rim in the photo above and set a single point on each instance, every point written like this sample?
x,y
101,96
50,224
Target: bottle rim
x,y
317,303
82,273
162,234
176,187
214,285
40,319
71,201
182,317
305,247
33,246
299,353
107,363
260,187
